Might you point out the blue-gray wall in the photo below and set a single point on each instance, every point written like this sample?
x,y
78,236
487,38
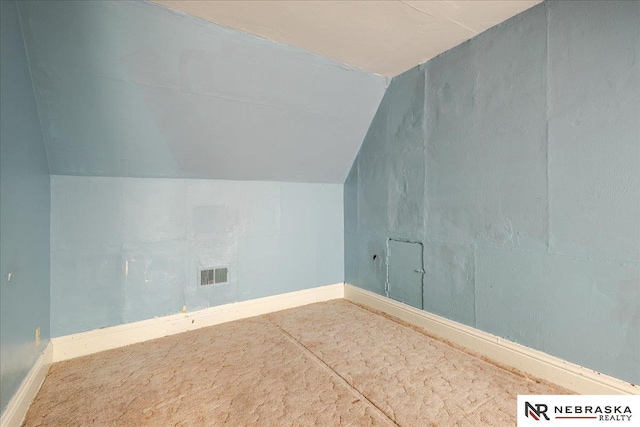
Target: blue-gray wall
x,y
515,158
133,89
128,249
24,214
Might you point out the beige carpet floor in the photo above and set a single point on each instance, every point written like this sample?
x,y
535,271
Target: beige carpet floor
x,y
325,364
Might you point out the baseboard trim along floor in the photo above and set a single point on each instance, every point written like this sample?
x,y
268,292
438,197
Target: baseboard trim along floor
x,y
17,407
561,372
84,343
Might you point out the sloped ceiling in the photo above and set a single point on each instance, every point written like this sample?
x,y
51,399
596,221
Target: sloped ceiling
x,y
134,89
386,37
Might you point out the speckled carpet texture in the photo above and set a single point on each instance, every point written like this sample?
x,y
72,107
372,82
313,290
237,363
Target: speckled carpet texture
x,y
325,364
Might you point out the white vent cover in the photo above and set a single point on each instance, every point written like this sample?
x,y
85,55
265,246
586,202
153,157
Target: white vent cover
x,y
214,276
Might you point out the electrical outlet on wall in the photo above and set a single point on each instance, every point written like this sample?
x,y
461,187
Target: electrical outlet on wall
x,y
38,336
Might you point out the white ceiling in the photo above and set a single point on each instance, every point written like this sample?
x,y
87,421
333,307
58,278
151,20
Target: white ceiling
x,y
384,37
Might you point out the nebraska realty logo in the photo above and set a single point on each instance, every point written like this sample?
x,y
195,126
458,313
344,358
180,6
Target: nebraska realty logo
x,y
577,410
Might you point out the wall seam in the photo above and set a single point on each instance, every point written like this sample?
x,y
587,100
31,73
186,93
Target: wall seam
x,y
546,124
426,151
33,87
425,198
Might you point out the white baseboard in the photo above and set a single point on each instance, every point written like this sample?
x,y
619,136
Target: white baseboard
x,y
84,343
17,407
568,375
565,374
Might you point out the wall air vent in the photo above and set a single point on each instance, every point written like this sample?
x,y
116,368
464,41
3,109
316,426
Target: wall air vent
x,y
214,276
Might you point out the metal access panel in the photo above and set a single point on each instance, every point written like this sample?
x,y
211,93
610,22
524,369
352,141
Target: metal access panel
x,y
405,272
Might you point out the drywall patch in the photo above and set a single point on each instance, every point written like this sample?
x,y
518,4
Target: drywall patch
x,y
216,219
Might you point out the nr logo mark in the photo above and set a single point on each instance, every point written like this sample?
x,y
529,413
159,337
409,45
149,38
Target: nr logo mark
x,y
536,411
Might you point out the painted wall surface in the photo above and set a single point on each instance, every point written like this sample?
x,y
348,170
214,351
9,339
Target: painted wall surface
x,y
128,249
520,172
24,214
133,89
384,192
